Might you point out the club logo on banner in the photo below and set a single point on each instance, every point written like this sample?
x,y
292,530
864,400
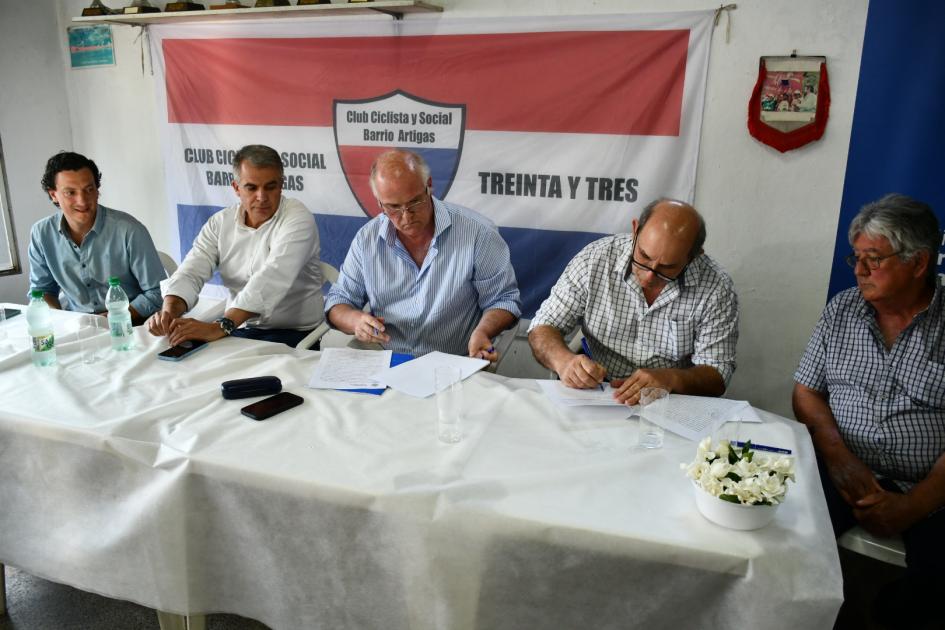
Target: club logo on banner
x,y
398,120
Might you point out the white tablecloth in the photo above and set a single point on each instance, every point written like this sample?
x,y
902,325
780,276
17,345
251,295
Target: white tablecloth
x,y
134,478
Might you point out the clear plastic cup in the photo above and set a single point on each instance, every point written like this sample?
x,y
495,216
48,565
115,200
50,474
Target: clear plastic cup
x,y
449,404
652,399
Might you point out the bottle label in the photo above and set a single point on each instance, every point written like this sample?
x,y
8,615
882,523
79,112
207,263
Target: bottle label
x,y
44,343
121,329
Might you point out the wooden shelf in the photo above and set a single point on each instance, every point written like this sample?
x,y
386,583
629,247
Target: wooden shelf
x,y
395,8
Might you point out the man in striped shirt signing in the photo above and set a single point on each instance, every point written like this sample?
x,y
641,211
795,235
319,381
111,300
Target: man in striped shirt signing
x,y
437,276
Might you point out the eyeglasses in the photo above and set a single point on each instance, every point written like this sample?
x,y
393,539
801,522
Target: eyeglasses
x,y
661,276
395,211
872,262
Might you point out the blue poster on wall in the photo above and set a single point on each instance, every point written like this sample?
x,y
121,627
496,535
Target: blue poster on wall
x,y
91,46
898,139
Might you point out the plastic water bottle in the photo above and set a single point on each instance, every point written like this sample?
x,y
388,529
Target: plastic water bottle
x,y
39,320
119,317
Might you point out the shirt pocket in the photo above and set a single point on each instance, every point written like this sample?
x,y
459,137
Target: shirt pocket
x,y
927,387
676,339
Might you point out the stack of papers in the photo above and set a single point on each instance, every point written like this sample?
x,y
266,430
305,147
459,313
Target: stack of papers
x,y
564,396
349,369
692,417
695,417
415,378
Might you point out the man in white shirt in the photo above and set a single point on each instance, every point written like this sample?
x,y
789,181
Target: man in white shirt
x,y
265,249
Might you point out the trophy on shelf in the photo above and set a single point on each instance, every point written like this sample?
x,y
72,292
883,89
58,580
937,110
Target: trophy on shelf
x,y
96,8
304,2
183,6
229,4
140,6
272,3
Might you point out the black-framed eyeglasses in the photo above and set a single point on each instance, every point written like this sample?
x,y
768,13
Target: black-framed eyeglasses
x,y
661,276
872,262
394,211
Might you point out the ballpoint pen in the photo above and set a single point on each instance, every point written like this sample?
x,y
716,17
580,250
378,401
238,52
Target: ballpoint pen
x,y
587,351
762,447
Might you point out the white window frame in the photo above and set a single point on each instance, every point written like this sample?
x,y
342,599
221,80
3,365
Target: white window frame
x,y
9,259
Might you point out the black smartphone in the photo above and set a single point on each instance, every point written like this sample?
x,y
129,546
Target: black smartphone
x,y
181,350
268,407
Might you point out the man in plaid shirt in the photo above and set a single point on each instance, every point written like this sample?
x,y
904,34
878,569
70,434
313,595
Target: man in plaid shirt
x,y
654,309
871,390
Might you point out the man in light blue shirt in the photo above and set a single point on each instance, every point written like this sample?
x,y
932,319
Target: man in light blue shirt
x,y
80,247
437,276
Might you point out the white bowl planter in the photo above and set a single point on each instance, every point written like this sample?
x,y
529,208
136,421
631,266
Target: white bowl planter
x,y
733,515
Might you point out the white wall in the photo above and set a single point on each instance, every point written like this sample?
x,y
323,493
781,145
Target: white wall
x,y
34,118
771,217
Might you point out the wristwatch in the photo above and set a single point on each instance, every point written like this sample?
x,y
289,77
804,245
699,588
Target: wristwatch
x,y
226,324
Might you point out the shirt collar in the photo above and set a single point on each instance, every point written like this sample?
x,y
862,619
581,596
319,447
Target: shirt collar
x,y
241,215
96,227
865,309
934,308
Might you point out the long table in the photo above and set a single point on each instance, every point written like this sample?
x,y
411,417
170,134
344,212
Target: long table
x,y
133,478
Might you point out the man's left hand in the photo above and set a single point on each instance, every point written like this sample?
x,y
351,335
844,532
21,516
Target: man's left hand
x,y
480,347
885,513
187,328
628,389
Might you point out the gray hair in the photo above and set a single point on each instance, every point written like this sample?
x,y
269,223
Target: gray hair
x,y
697,244
909,225
413,162
259,155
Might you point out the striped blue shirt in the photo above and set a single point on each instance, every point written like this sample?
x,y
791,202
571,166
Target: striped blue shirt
x,y
466,272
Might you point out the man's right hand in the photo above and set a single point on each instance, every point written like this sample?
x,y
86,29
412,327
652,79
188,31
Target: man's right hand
x,y
159,324
581,372
370,329
853,479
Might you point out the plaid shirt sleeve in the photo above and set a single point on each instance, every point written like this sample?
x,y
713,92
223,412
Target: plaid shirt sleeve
x,y
566,304
717,335
812,370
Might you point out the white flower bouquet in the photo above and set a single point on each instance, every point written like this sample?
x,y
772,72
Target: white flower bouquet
x,y
740,475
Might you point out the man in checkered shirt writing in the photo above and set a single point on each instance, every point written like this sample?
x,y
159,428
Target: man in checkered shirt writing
x,y
871,390
655,310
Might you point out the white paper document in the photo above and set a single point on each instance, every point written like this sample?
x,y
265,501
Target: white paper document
x,y
564,396
695,417
346,368
415,378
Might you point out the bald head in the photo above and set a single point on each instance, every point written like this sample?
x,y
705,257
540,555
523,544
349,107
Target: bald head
x,y
674,224
399,166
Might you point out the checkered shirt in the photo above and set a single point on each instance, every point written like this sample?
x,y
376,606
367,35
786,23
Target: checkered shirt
x,y
693,321
889,405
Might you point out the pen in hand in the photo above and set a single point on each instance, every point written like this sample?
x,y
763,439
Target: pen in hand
x,y
587,352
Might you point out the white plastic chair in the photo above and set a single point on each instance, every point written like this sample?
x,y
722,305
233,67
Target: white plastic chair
x,y
170,265
329,274
888,550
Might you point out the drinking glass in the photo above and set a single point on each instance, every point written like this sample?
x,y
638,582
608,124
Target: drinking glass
x,y
91,328
652,401
449,404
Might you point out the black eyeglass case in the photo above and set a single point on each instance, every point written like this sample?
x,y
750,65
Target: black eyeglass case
x,y
250,387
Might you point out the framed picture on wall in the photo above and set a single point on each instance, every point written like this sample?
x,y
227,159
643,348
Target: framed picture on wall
x,y
790,103
91,46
